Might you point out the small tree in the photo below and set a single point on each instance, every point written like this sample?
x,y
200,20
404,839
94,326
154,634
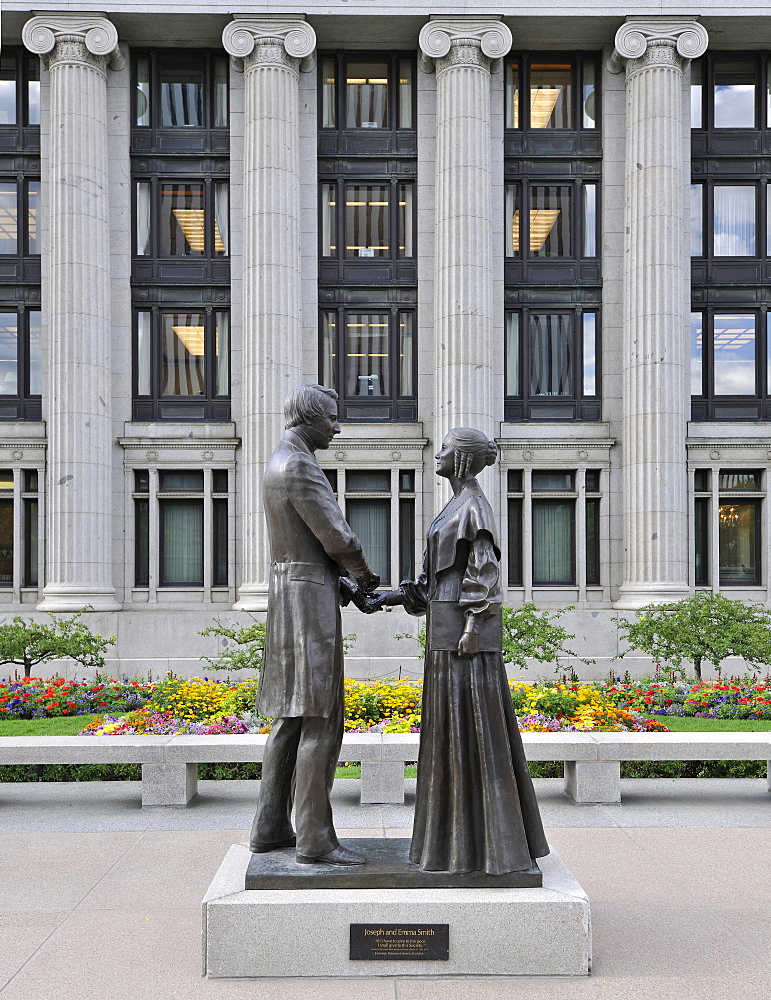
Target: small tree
x,y
28,643
243,645
704,627
528,634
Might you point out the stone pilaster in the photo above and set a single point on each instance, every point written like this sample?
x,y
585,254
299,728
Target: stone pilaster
x,y
271,47
461,50
655,50
77,394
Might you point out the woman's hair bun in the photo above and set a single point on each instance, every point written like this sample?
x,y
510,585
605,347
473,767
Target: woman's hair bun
x,y
491,455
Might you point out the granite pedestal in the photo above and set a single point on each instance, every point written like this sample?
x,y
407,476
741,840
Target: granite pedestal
x,y
258,933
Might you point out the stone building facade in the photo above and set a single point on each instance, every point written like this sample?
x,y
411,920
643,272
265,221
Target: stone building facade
x,y
552,225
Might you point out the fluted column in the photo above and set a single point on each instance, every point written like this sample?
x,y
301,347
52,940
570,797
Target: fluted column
x,y
78,392
655,51
272,48
462,49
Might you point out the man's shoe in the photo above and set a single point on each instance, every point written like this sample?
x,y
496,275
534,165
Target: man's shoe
x,y
339,856
263,848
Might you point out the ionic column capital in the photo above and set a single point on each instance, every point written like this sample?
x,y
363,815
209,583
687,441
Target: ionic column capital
x,y
464,39
657,40
70,37
290,32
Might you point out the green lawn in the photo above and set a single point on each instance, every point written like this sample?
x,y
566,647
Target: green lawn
x,y
686,724
64,726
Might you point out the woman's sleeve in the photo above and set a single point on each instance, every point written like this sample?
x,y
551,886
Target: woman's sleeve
x,y
416,592
480,590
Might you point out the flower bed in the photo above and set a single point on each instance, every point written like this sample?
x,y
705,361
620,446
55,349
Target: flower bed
x,y
36,698
733,699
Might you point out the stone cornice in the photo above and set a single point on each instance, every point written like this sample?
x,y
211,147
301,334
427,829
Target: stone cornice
x,y
100,36
541,450
442,33
246,31
633,38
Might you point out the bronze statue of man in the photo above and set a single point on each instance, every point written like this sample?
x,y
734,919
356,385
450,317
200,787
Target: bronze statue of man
x,y
301,685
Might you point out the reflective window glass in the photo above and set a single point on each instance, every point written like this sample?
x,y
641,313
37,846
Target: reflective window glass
x,y
222,354
366,95
550,221
33,90
405,218
512,382
405,93
697,86
551,481
738,479
406,354
734,94
329,349
143,189
697,354
181,482
512,95
220,74
551,88
328,92
734,355
697,220
182,220
35,352
367,354
737,534
8,218
9,353
593,541
328,220
181,96
143,361
33,214
590,220
142,93
366,220
6,543
551,354
734,220
590,353
182,349
7,90
368,482
589,104
513,193
701,541
221,219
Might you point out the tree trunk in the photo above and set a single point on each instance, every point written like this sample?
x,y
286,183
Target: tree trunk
x,y
697,668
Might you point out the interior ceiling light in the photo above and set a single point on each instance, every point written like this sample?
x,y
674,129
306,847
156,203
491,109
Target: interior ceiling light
x,y
192,222
192,337
542,103
8,223
542,222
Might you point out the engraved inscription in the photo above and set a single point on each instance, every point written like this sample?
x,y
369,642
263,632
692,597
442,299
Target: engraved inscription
x,y
397,942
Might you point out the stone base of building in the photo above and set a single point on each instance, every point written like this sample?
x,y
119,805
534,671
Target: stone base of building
x,y
307,932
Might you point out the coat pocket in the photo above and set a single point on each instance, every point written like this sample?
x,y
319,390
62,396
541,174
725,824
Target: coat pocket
x,y
307,572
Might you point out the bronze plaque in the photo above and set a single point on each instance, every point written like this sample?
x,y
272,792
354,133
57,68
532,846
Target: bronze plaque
x,y
400,942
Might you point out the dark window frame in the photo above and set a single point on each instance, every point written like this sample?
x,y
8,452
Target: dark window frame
x,y
20,135
157,406
400,407
178,138
757,502
570,502
164,503
24,405
584,407
710,406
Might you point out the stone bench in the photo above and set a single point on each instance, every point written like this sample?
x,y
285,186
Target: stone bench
x,y
170,763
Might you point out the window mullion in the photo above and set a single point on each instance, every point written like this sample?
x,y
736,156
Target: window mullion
x,y
155,538
527,533
18,537
208,535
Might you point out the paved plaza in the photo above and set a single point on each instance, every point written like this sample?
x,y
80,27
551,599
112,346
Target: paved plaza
x,y
101,899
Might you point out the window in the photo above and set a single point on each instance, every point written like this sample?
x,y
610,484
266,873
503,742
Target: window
x,y
730,237
380,506
19,100
367,229
370,359
181,100
552,168
734,520
20,364
189,511
562,507
181,236
19,530
730,365
181,365
551,365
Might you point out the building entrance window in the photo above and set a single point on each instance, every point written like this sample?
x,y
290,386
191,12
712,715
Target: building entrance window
x,y
734,520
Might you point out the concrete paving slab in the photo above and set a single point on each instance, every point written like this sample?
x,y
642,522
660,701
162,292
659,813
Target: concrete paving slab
x,y
752,925
22,933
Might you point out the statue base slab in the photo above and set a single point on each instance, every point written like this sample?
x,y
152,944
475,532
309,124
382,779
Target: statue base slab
x,y
365,932
388,867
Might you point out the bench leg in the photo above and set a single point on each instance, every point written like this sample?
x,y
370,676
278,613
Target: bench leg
x,y
593,781
382,781
169,784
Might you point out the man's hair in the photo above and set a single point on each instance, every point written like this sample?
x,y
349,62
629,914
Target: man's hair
x,y
305,404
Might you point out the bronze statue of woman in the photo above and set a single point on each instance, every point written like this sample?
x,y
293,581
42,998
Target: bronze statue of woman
x,y
475,807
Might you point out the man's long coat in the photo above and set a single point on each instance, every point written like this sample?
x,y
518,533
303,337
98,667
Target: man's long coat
x,y
302,667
